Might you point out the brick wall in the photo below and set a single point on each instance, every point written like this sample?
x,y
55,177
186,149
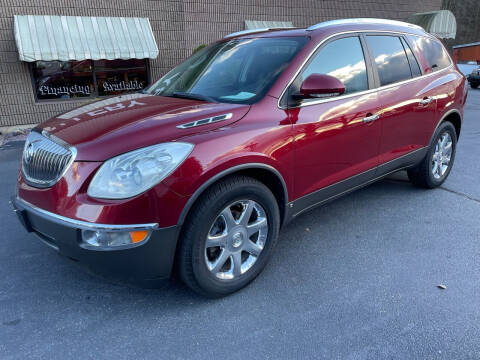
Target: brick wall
x,y
179,26
467,13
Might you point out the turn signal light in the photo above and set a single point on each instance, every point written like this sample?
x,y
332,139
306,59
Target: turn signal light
x,y
138,236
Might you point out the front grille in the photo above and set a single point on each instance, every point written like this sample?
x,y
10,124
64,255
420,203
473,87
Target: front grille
x,y
45,159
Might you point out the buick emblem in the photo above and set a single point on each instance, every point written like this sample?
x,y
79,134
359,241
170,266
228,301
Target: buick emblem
x,y
29,153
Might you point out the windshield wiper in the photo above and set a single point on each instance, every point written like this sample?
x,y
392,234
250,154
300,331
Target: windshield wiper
x,y
192,96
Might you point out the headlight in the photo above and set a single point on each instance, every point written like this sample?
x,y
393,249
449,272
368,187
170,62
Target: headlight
x,y
132,173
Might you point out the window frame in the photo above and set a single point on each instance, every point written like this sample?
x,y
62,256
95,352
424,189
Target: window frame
x,y
287,98
374,65
405,43
283,100
254,99
94,95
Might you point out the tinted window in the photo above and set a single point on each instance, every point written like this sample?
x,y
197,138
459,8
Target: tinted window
x,y
414,68
344,60
432,50
234,71
390,59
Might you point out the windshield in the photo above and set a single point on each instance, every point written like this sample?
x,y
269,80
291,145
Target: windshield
x,y
237,71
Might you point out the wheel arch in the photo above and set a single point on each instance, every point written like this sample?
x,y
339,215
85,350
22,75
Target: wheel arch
x,y
264,173
453,116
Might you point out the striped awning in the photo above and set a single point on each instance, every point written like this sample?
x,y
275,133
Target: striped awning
x,y
440,23
66,38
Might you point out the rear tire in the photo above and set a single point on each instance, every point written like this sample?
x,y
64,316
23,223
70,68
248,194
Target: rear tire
x,y
474,86
220,229
437,164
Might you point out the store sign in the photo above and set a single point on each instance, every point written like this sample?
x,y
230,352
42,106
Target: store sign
x,y
45,90
131,85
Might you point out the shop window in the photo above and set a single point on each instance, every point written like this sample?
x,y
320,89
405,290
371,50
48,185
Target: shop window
x,y
118,76
64,80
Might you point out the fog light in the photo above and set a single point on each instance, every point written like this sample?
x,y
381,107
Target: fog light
x,y
114,238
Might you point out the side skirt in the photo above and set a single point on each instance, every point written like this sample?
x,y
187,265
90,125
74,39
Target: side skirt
x,y
353,183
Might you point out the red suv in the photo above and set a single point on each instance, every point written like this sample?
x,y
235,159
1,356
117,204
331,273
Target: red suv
x,y
200,170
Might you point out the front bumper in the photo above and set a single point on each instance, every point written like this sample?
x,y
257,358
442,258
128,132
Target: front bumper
x,y
146,264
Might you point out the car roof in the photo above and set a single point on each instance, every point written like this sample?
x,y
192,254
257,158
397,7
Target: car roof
x,y
332,27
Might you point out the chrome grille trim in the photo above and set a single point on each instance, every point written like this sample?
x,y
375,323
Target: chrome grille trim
x,y
206,121
45,159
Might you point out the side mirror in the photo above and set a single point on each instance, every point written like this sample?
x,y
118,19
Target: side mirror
x,y
320,86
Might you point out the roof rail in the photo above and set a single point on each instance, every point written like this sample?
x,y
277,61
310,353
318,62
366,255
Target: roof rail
x,y
253,31
362,21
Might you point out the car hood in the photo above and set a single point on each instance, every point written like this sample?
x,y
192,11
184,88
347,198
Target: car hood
x,y
116,125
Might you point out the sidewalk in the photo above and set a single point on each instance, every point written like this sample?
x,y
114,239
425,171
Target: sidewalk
x,y
14,133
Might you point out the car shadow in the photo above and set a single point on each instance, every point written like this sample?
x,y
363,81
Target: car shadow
x,y
88,287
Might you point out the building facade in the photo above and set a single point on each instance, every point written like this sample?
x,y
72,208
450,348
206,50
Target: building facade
x,y
178,27
467,13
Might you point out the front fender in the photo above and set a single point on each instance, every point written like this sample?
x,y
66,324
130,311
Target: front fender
x,y
217,151
211,179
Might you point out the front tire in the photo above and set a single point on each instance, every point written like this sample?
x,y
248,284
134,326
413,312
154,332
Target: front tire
x,y
228,236
437,164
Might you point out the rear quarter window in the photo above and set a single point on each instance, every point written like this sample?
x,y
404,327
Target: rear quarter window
x,y
432,50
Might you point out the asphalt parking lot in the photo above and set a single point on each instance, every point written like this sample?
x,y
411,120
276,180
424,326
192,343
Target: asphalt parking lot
x,y
355,279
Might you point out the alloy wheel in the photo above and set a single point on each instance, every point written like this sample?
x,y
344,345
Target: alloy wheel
x,y
442,155
236,239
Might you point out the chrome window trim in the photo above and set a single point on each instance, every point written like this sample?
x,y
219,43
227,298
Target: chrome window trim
x,y
60,142
78,224
369,91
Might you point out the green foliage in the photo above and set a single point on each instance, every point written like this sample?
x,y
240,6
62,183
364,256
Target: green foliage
x,y
199,47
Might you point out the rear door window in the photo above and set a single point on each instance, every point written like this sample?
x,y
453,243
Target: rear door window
x,y
390,59
433,51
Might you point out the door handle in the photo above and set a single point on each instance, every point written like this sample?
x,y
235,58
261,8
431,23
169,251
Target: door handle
x,y
370,118
426,100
